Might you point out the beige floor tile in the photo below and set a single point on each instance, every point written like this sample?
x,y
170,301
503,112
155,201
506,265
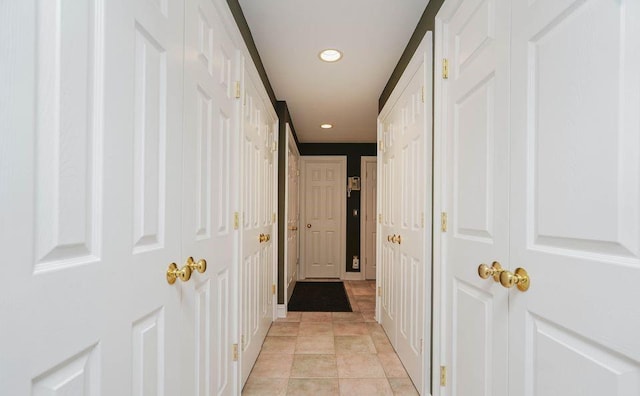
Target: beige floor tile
x,y
367,306
369,316
279,344
314,366
382,344
366,299
291,317
349,328
316,329
316,317
272,366
354,344
365,387
347,317
362,291
392,365
315,345
402,387
265,386
359,365
284,329
313,387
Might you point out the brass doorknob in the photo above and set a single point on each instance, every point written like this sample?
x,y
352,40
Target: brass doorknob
x,y
262,238
520,279
308,225
174,273
396,239
495,270
200,266
390,237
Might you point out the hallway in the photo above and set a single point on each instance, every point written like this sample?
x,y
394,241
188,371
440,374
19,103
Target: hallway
x,y
330,353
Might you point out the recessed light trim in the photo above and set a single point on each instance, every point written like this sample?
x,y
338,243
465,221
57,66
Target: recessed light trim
x,y
330,55
326,126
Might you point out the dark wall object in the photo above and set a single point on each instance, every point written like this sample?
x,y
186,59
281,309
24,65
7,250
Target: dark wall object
x,y
426,23
353,151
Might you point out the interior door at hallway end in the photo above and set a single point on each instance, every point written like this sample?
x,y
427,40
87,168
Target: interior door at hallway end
x,y
369,208
324,219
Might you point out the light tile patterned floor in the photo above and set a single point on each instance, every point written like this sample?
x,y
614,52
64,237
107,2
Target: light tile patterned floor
x,y
330,353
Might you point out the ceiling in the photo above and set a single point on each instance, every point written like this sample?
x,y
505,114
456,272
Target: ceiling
x,y
372,34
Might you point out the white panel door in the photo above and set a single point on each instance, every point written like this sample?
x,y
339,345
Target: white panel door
x,y
209,196
293,214
324,216
257,267
406,204
575,198
90,197
474,37
369,173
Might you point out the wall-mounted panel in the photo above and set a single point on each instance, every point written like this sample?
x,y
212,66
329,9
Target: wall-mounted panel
x,y
68,116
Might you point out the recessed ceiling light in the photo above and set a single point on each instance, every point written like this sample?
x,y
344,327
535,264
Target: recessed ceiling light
x,y
326,126
330,55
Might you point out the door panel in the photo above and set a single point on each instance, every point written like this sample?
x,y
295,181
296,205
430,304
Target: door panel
x,y
575,204
93,208
293,214
209,175
324,211
369,214
405,244
257,269
475,41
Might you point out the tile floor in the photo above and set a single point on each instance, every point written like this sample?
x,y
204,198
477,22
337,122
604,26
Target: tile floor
x,y
330,353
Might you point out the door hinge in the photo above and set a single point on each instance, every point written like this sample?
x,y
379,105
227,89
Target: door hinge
x,y
380,218
445,68
443,375
443,222
237,89
273,217
273,289
379,291
422,219
234,352
422,94
236,220
380,145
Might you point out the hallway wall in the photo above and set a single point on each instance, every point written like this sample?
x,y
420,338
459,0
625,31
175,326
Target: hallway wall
x,y
353,151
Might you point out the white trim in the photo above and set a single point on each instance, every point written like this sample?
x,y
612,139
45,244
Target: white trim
x,y
342,160
363,207
282,310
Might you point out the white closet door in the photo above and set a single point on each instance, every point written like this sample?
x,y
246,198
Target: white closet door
x,y
575,198
90,197
474,37
209,197
406,209
369,169
293,214
257,267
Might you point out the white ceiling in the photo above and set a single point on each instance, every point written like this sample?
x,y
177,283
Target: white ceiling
x,y
372,34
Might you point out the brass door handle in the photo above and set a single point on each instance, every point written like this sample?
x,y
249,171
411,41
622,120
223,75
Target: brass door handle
x,y
308,225
174,273
200,266
390,237
262,238
484,271
396,239
520,279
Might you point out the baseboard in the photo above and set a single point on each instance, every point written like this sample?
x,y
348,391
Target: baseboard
x,y
352,276
281,310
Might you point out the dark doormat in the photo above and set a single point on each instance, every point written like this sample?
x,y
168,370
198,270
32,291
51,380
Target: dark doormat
x,y
319,297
